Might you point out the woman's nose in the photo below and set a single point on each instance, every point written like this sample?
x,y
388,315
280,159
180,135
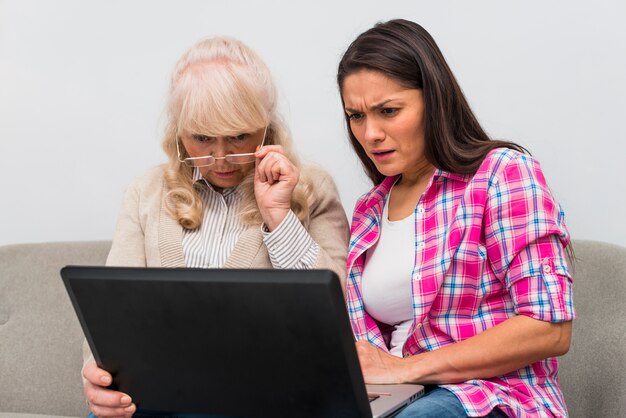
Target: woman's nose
x,y
373,131
220,148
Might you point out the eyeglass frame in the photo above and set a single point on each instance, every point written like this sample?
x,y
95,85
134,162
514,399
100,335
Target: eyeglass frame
x,y
225,157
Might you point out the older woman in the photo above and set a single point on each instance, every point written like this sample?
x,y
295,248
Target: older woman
x,y
457,273
232,194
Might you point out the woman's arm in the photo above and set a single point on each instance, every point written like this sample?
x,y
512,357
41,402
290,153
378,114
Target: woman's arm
x,y
525,238
510,345
128,248
323,243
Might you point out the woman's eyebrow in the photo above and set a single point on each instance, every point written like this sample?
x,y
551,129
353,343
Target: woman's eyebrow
x,y
375,106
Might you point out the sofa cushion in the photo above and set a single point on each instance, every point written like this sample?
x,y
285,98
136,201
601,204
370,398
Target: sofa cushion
x,y
592,373
40,337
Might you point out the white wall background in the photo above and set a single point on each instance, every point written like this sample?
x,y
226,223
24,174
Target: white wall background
x,y
82,87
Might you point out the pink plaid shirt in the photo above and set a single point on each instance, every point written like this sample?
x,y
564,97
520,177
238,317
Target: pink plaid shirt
x,y
487,247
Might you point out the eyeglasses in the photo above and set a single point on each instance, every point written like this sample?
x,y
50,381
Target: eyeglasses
x,y
207,160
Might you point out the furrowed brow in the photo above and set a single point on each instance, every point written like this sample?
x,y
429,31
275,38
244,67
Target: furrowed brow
x,y
376,106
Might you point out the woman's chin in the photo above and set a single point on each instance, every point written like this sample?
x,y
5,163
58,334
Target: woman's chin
x,y
223,180
388,171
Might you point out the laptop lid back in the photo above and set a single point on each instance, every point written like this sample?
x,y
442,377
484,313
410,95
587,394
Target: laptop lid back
x,y
256,343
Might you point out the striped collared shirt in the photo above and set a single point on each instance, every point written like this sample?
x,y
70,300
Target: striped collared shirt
x,y
487,247
210,245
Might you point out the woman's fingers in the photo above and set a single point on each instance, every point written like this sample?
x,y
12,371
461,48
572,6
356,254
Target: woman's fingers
x,y
96,375
272,166
109,412
263,151
108,403
104,402
275,178
378,367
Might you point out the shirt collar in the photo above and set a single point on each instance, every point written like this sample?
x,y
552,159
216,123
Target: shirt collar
x,y
378,193
452,176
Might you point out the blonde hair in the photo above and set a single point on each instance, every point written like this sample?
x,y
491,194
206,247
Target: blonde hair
x,y
222,87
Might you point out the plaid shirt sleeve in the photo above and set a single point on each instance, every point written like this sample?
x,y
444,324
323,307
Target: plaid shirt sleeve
x,y
526,235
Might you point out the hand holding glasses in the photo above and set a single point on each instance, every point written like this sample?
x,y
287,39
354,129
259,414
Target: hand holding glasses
x,y
206,160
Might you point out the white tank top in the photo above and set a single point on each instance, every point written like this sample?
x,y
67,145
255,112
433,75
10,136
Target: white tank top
x,y
386,279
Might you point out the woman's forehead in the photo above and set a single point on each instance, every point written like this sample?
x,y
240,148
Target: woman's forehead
x,y
225,118
219,131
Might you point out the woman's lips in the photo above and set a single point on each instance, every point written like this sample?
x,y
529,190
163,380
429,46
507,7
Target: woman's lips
x,y
224,174
383,154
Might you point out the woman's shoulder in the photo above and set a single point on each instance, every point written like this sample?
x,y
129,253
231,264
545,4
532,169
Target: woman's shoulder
x,y
318,177
504,154
315,170
501,159
508,168
375,195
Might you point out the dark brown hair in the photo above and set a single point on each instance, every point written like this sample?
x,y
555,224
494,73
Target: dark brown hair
x,y
406,52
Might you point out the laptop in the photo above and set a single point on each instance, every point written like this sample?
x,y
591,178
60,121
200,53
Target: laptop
x,y
227,342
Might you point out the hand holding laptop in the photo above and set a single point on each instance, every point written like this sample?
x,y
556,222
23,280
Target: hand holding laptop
x,y
105,402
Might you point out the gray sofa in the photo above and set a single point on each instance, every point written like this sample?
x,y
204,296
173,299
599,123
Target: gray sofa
x,y
40,337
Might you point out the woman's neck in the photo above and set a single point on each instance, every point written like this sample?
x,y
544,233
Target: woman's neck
x,y
416,177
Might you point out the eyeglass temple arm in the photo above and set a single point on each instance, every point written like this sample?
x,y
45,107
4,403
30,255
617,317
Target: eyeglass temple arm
x,y
264,136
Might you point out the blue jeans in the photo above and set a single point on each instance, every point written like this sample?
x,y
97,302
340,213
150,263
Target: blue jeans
x,y
439,403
